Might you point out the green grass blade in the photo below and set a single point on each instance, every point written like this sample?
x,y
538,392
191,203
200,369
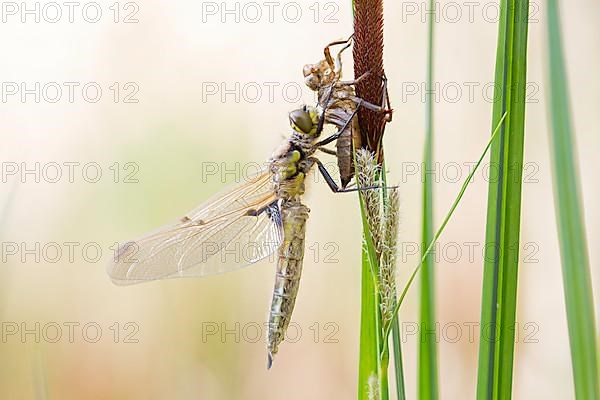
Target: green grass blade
x,y
427,364
571,229
396,333
398,365
370,329
498,308
446,220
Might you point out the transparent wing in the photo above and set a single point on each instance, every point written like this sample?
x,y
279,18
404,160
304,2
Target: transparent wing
x,y
236,228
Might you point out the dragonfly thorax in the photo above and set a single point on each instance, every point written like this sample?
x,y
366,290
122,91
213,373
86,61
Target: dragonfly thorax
x,y
289,166
292,160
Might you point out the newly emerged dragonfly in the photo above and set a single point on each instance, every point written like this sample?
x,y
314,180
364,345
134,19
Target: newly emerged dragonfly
x,y
262,216
325,78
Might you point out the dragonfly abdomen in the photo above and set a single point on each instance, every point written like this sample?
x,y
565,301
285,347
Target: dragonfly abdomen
x,y
287,277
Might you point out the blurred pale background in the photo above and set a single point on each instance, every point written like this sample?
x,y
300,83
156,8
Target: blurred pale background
x,y
175,53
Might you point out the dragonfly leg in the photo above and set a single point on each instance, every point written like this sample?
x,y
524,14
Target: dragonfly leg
x,y
335,136
328,151
322,117
385,106
335,187
328,178
328,140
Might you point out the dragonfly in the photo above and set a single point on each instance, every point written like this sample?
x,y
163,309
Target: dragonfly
x,y
264,216
325,78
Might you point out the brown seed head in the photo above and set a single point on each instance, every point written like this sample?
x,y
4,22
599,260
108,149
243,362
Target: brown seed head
x,y
368,57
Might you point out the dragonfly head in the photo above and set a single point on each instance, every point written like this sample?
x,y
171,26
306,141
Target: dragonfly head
x,y
305,120
318,75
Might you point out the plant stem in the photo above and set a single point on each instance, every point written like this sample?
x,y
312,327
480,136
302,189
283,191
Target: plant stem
x,y
383,374
398,364
370,328
499,294
368,57
427,369
571,229
444,223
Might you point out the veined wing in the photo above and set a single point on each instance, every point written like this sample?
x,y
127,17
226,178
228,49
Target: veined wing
x,y
235,228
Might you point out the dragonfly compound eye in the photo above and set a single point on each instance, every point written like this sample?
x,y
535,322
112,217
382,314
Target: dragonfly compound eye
x,y
301,121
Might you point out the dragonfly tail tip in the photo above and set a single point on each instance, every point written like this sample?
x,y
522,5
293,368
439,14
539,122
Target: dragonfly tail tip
x,y
269,360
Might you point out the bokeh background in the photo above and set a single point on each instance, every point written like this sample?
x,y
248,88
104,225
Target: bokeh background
x,y
165,135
